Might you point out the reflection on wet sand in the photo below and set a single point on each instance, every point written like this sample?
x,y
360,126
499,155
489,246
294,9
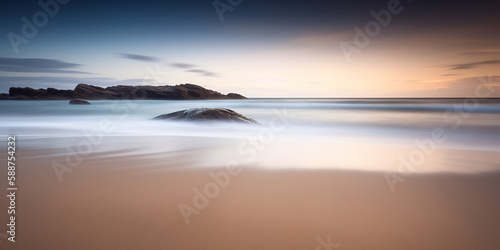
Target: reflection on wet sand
x,y
132,202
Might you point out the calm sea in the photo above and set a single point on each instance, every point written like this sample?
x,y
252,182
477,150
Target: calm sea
x,y
433,135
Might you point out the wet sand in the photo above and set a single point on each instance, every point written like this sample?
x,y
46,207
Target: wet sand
x,y
133,203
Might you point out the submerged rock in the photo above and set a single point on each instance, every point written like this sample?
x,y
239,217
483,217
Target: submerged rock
x,y
79,102
207,114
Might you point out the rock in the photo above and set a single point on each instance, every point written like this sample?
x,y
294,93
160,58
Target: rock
x,y
55,94
207,114
122,92
95,92
235,96
21,97
28,92
79,102
42,94
6,97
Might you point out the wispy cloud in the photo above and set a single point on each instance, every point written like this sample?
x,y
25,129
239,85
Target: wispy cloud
x,y
38,70
139,57
482,52
458,88
182,65
188,68
450,74
202,72
472,65
37,65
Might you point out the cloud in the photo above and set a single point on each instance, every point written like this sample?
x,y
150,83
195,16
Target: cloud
x,y
188,65
37,65
482,52
464,87
202,72
182,65
450,74
139,57
38,70
472,65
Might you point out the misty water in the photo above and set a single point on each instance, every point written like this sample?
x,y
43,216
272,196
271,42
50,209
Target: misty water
x,y
442,135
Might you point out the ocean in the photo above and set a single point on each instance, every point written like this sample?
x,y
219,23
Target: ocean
x,y
432,135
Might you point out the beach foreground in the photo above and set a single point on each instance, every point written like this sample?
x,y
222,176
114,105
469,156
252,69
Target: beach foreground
x,y
110,203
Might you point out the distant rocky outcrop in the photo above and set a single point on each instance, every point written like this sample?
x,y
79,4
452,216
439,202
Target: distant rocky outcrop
x,y
9,97
41,94
207,114
141,92
235,96
79,102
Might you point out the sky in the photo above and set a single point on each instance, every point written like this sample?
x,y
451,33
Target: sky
x,y
315,48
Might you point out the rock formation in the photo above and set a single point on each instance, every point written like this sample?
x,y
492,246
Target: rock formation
x,y
141,92
207,114
235,96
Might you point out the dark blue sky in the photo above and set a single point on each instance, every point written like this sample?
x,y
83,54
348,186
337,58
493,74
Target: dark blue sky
x,y
261,48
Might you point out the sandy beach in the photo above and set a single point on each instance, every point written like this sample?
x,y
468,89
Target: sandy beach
x,y
112,203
